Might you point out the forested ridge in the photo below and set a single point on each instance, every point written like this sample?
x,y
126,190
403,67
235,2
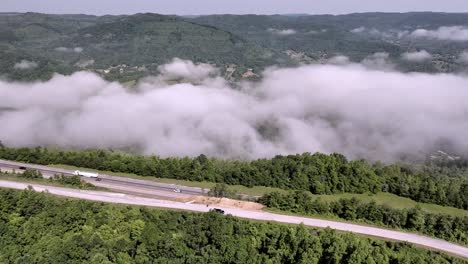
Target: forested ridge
x,y
39,228
141,42
443,184
447,227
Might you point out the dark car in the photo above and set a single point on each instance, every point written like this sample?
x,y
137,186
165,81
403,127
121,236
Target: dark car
x,y
23,168
216,210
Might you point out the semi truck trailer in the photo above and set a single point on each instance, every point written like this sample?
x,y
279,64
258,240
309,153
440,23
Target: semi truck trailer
x,y
86,174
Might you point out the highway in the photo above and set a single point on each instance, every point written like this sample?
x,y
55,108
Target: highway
x,y
121,198
121,184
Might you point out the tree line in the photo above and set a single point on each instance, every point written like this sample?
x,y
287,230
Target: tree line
x,y
447,227
318,173
40,228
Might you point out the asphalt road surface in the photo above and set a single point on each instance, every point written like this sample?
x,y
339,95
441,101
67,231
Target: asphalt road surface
x,y
121,184
120,198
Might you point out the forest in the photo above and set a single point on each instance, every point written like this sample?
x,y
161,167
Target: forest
x,y
40,228
447,227
438,183
249,41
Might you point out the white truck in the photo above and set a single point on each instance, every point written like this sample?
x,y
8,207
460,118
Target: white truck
x,y
86,174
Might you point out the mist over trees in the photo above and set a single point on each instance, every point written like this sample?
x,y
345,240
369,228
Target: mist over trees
x,y
189,109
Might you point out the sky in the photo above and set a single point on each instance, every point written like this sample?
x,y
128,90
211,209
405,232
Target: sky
x,y
197,7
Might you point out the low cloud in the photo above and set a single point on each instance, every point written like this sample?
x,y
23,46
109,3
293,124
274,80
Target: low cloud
x,y
358,30
339,60
379,60
25,65
453,33
283,32
463,58
313,32
388,34
65,49
62,49
85,63
185,71
417,56
350,109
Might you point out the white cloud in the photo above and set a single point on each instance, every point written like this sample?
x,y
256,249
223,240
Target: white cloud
x,y
417,56
62,49
379,60
283,32
463,58
453,33
25,65
358,30
350,109
65,49
186,71
339,60
85,63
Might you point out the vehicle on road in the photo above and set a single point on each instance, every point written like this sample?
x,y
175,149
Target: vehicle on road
x,y
22,168
177,190
86,174
217,210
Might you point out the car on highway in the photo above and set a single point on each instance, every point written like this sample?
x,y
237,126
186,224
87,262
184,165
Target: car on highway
x,y
217,210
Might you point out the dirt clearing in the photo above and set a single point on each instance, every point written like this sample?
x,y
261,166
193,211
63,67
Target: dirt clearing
x,y
223,202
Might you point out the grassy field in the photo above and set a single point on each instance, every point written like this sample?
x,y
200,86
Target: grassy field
x,y
391,200
397,202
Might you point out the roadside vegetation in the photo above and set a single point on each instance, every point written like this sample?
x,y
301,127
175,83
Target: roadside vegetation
x,y
35,176
444,226
382,198
444,184
90,232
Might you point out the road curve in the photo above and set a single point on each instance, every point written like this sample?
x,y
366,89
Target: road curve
x,y
120,198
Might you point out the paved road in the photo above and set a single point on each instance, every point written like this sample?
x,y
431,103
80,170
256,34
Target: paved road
x,y
112,182
250,214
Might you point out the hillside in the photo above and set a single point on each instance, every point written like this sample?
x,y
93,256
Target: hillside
x,y
320,37
126,48
314,37
120,48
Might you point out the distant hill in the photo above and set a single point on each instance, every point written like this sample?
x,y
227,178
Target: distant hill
x,y
137,44
306,34
125,48
355,35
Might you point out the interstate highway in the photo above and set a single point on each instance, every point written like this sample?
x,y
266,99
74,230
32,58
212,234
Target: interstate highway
x,y
120,198
134,186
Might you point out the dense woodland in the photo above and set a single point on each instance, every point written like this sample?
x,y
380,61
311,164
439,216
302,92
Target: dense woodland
x,y
439,225
317,173
39,228
144,41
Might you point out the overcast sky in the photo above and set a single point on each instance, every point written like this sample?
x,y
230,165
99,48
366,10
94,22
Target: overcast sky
x,y
186,7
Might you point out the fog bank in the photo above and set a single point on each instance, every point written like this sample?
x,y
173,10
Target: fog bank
x,y
350,109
